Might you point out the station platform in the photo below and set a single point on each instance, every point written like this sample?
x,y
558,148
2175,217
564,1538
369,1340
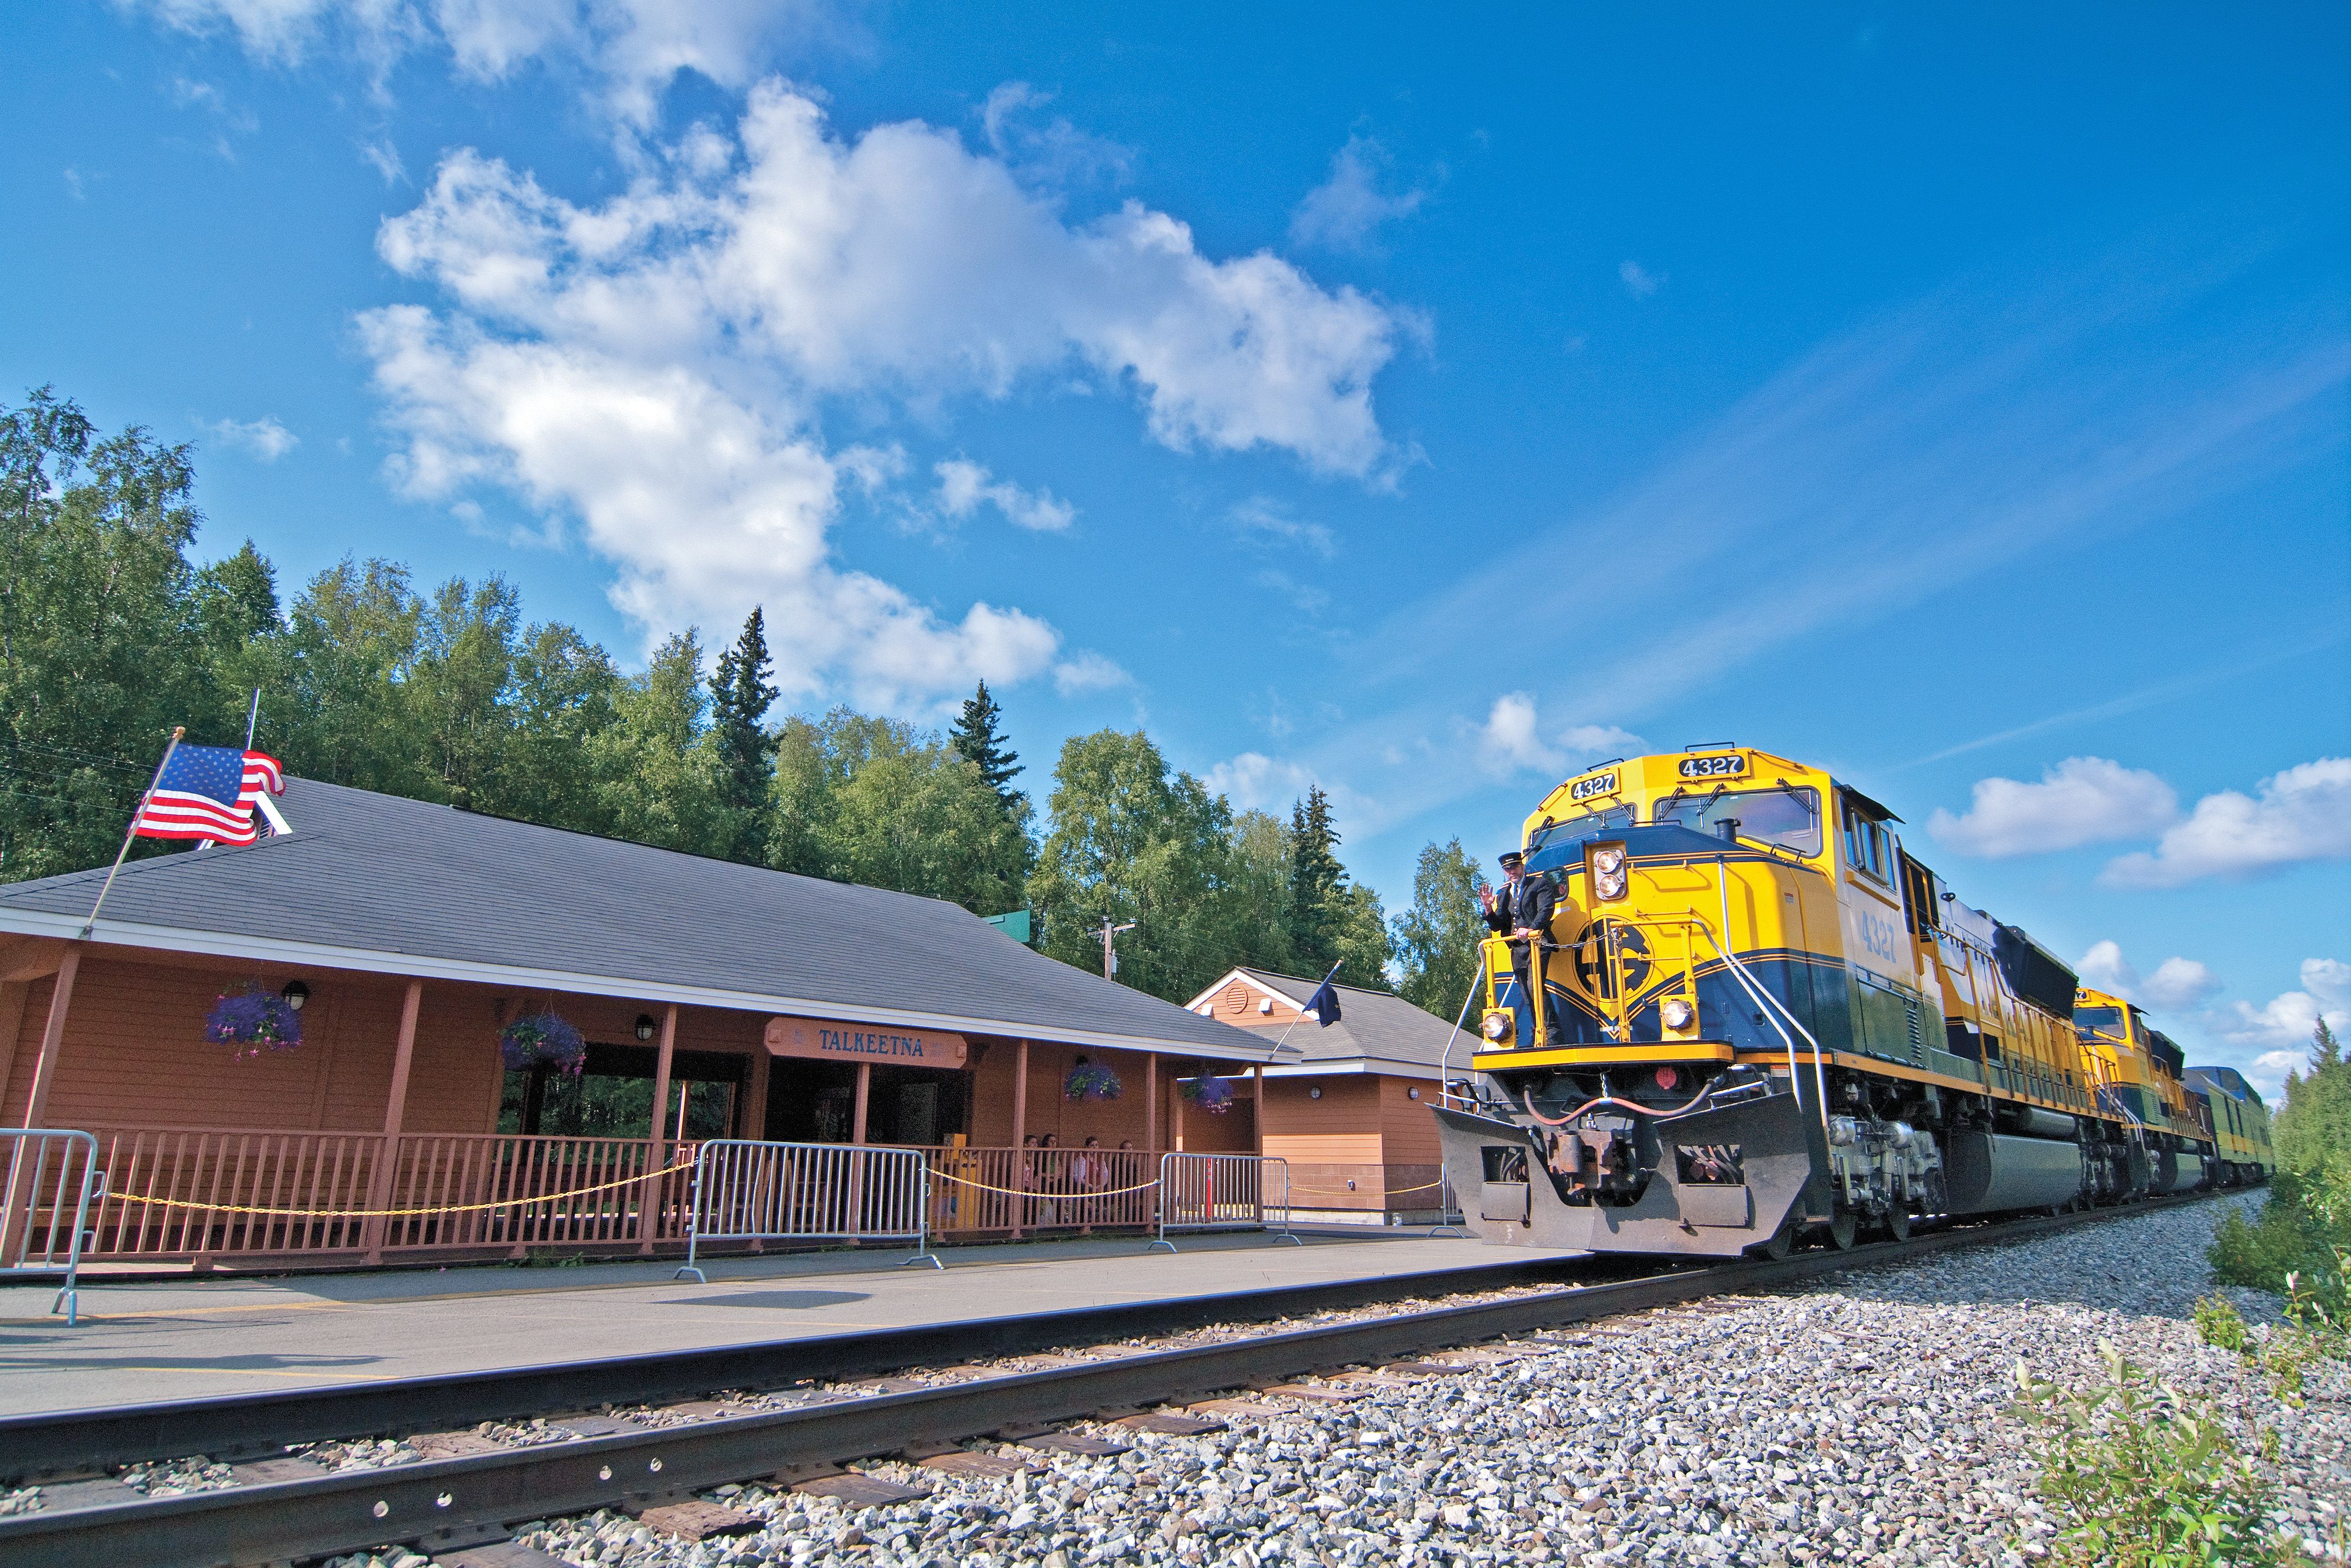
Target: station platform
x,y
159,1341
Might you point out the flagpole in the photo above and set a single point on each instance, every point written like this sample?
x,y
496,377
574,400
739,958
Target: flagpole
x,y
1301,1012
133,831
252,718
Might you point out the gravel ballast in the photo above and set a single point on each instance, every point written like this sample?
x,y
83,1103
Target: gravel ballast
x,y
1867,1419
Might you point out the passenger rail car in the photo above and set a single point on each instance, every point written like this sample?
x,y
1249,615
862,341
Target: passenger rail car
x,y
1766,1018
2239,1123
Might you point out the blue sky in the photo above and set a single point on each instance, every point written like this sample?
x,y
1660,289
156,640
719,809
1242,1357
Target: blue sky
x,y
1419,407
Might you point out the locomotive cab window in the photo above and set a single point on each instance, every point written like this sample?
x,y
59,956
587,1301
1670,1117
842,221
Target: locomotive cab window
x,y
1867,845
1785,816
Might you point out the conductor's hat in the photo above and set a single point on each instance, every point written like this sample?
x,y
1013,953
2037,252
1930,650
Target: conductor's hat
x,y
1513,857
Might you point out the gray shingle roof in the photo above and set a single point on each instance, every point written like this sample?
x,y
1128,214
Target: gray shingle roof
x,y
378,883
1379,1028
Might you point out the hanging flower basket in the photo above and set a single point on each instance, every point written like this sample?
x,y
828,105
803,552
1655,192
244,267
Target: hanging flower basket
x,y
537,1037
252,1018
1087,1082
1214,1095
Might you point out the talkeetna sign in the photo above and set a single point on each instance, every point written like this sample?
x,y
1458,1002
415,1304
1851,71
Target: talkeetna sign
x,y
824,1041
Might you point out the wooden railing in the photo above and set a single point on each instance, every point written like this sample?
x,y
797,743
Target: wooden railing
x,y
505,1193
1024,1191
181,1192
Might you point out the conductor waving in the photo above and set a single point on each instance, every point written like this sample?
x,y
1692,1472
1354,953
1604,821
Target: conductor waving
x,y
1520,909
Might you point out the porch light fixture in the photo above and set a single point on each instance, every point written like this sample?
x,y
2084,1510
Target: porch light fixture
x,y
296,993
1314,1094
644,1026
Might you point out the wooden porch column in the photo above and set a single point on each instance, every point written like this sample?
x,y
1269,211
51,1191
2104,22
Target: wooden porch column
x,y
395,1112
864,1098
45,1069
1019,1135
1177,1141
753,1117
1151,1102
1257,1105
649,1193
53,1035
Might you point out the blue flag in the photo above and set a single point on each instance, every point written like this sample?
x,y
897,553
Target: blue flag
x,y
1324,1005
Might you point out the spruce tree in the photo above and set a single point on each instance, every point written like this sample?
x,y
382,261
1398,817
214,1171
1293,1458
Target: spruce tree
x,y
740,696
979,741
1317,892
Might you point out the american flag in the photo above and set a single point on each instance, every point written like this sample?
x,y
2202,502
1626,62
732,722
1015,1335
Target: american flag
x,y
207,792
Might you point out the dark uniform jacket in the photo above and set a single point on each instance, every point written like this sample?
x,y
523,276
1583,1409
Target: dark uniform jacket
x,y
1529,904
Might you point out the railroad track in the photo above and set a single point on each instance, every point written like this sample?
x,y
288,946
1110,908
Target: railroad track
x,y
448,1505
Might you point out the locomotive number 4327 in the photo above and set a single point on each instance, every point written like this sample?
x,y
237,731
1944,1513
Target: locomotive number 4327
x,y
1725,765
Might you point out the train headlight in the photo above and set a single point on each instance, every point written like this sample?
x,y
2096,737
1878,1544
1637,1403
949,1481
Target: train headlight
x,y
1676,1014
1498,1024
1608,872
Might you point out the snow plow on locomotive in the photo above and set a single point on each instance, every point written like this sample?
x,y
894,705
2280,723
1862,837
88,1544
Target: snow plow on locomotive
x,y
1761,1019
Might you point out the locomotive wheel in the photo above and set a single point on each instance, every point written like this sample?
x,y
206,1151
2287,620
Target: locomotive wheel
x,y
1844,1230
1897,1224
1782,1245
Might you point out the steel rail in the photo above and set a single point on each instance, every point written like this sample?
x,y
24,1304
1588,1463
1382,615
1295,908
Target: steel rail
x,y
239,1426
441,1505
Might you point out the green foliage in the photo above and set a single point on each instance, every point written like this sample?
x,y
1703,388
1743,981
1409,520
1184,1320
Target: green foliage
x,y
2143,1476
2313,1126
1132,841
1436,940
978,738
99,636
875,800
1317,886
740,696
2219,1325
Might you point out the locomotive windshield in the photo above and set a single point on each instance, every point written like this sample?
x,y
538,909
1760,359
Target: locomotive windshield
x,y
1561,843
1785,816
2105,1020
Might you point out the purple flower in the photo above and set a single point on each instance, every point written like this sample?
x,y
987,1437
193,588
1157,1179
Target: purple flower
x,y
251,1018
1214,1095
535,1038
1087,1082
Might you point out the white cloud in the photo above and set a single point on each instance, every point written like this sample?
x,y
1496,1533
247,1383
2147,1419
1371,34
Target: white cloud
x,y
1088,672
1512,739
705,507
2081,800
965,487
1638,280
2287,1020
900,262
2301,814
264,438
1344,211
1263,517
1055,152
1253,780
656,365
2177,985
2266,1072
629,50
384,159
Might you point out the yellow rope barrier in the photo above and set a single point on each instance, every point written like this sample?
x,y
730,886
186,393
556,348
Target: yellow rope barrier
x,y
1035,1192
1342,1191
392,1213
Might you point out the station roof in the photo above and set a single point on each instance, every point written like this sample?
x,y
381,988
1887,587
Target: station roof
x,y
384,884
1377,1032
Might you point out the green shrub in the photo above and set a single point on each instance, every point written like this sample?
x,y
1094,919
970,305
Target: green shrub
x,y
2306,1218
2140,1475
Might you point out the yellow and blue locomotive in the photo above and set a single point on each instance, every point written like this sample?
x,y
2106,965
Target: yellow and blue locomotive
x,y
2232,1110
1762,1018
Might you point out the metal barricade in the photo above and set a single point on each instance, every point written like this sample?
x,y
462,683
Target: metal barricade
x,y
748,1191
45,1208
1223,1192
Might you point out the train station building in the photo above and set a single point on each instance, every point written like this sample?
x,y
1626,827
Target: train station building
x,y
488,1009
1346,1101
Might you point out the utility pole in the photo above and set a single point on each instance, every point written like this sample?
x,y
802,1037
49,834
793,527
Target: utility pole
x,y
1110,959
